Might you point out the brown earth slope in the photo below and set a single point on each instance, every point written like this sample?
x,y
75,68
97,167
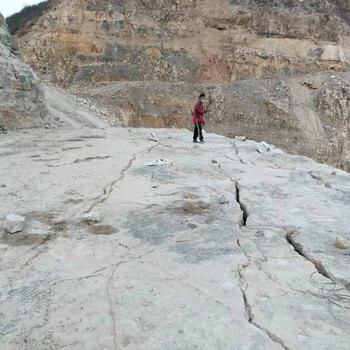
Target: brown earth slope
x,y
186,40
276,69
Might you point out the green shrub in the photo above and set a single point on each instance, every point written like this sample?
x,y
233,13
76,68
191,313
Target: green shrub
x,y
19,19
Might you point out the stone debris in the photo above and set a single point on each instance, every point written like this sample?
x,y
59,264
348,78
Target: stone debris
x,y
341,243
158,162
14,223
240,138
263,147
3,130
223,200
153,137
91,218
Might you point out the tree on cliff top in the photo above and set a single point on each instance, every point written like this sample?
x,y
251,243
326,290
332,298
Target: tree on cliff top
x,y
19,19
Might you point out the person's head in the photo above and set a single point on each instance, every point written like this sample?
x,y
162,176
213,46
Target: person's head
x,y
202,97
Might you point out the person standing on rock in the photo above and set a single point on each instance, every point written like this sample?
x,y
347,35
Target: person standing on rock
x,y
198,118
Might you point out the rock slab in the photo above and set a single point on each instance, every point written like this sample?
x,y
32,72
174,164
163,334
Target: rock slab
x,y
22,99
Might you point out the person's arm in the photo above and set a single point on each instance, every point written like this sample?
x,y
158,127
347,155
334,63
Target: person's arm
x,y
200,108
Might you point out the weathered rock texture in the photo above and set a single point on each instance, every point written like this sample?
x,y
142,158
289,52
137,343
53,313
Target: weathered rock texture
x,y
307,114
186,40
262,62
22,101
166,266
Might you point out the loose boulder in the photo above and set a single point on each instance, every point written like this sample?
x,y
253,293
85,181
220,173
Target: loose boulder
x,y
14,223
341,243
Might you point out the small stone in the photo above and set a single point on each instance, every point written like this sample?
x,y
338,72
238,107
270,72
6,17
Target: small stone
x,y
183,306
145,303
14,223
180,331
190,225
153,137
223,200
334,173
91,218
128,286
214,161
341,243
2,186
137,319
263,147
328,185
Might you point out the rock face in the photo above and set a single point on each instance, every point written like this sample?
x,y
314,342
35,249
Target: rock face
x,y
187,40
166,266
263,62
22,101
307,114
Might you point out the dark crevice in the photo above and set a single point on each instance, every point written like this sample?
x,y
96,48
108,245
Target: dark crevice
x,y
299,249
242,206
272,336
250,317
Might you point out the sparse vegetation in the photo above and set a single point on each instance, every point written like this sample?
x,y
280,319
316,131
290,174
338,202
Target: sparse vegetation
x,y
19,19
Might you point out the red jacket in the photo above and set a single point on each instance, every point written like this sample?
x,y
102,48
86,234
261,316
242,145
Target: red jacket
x,y
198,112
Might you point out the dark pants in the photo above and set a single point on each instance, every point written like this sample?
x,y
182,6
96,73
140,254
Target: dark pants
x,y
197,131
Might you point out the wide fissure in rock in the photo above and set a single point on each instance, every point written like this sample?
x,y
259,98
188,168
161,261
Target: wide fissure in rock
x,y
299,249
244,210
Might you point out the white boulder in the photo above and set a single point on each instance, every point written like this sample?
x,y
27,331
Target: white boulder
x,y
341,243
14,223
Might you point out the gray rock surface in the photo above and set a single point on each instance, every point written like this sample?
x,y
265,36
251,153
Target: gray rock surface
x,y
22,100
167,266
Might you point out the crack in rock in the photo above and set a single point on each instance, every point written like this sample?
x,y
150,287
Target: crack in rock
x,y
250,315
237,155
90,158
299,249
107,190
247,306
108,291
244,210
